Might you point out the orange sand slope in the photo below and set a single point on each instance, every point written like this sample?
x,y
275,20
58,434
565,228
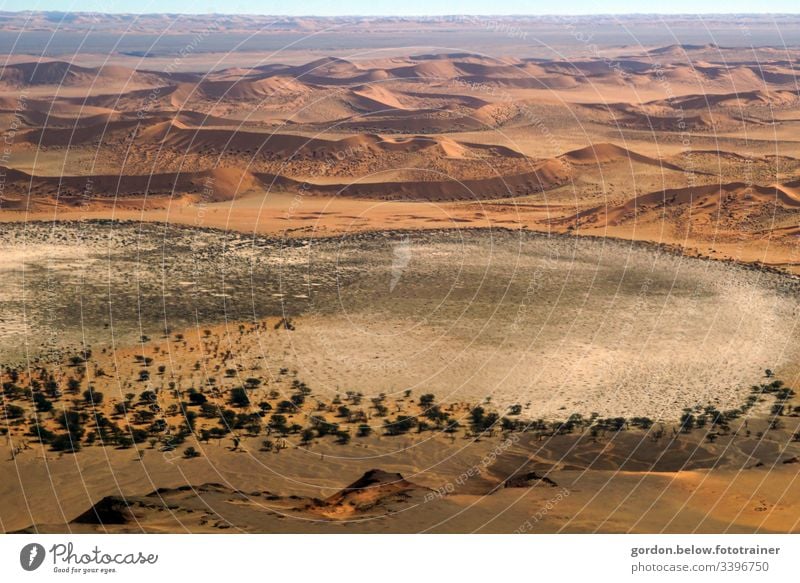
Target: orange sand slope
x,y
640,144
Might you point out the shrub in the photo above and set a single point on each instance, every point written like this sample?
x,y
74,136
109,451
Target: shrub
x,y
208,410
71,421
65,442
508,424
196,398
435,413
43,434
278,423
148,397
403,424
139,435
239,397
322,426
451,426
476,415
307,436
124,442
687,422
42,404
426,400
92,397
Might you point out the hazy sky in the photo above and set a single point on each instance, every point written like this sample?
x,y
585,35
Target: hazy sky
x,y
408,7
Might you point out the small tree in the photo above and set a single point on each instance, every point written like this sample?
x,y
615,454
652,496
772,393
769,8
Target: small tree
x,y
306,436
403,424
92,397
253,426
197,398
476,415
286,407
451,425
239,397
125,441
278,423
426,400
65,442
687,421
515,409
42,404
14,412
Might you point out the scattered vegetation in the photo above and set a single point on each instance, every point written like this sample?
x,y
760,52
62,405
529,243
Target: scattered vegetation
x,y
229,401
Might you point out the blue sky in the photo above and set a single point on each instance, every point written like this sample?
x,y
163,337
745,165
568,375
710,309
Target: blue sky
x,y
407,7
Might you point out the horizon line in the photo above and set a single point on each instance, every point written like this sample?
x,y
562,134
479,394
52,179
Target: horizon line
x,y
442,15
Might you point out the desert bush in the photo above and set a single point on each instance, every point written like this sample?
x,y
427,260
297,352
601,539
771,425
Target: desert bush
x,y
65,442
239,397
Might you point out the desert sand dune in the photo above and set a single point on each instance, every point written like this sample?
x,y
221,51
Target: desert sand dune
x,y
600,154
680,50
59,73
734,100
548,175
214,185
724,207
78,134
244,89
376,98
290,147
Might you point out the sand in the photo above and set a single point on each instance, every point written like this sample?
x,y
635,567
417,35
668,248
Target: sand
x,y
385,199
557,325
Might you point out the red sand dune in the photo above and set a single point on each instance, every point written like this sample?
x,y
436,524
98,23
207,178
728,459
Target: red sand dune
x,y
605,153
